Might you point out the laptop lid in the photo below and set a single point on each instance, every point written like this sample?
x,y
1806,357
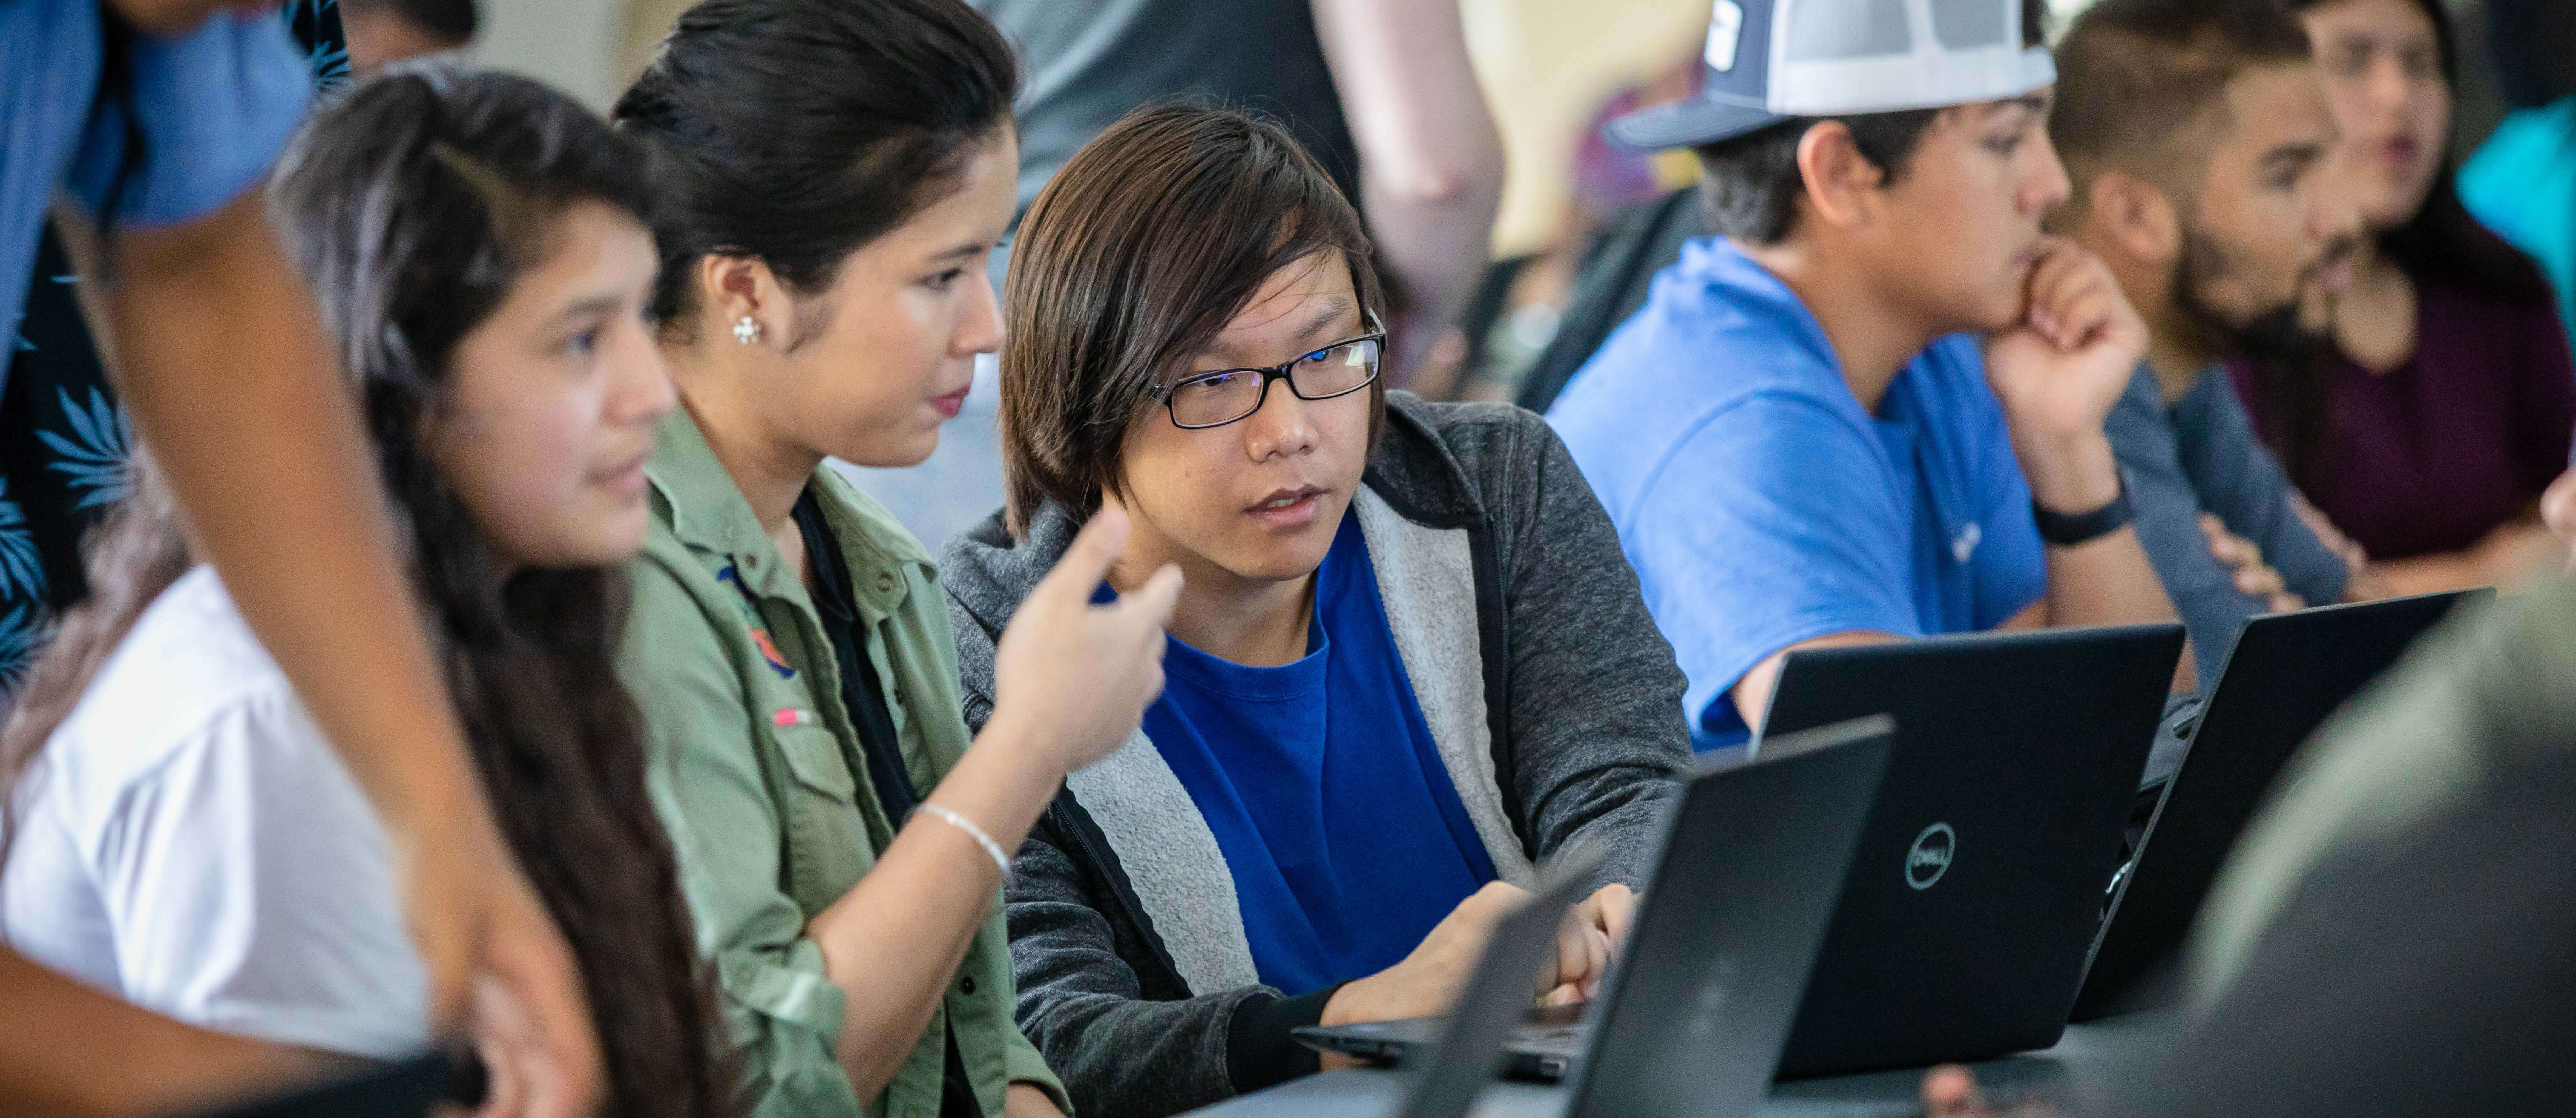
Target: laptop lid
x,y
2285,675
1443,1080
1979,882
1693,1020
402,1089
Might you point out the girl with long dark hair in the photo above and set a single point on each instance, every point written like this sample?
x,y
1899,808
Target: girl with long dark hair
x,y
2444,408
179,829
834,176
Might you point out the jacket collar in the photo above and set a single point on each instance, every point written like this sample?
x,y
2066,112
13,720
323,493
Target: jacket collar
x,y
694,493
695,496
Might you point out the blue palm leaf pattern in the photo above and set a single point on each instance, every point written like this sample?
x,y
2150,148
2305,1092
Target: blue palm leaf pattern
x,y
22,636
328,58
94,453
330,64
22,574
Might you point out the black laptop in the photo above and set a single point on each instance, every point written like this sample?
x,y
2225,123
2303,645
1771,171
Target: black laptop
x,y
401,1089
1692,1020
1981,875
1444,1078
2284,676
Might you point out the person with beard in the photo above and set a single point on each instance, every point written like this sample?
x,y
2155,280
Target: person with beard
x,y
1872,408
2203,156
2429,427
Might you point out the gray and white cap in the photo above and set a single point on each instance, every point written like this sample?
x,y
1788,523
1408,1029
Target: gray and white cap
x,y
1769,60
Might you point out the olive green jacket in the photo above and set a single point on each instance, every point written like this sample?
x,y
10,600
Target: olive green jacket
x,y
758,775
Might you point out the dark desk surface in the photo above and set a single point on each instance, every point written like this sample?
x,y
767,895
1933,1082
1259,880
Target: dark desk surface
x,y
2076,1068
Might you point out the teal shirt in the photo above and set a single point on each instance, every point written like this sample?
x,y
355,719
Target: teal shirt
x,y
758,775
2522,184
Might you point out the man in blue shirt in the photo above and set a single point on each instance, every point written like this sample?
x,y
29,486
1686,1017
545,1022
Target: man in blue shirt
x,y
154,122
2202,147
1872,410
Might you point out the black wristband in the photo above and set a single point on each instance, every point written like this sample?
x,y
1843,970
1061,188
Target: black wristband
x,y
2063,530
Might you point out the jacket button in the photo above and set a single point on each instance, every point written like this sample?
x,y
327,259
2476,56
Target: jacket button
x,y
968,985
885,582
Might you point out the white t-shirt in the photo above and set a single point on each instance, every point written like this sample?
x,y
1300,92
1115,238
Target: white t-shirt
x,y
189,841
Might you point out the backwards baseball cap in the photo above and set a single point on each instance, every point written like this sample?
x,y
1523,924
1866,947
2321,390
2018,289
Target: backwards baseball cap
x,y
1770,60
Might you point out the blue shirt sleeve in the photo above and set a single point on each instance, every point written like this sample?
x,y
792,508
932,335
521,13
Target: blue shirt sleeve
x,y
2239,480
2009,570
1774,521
213,108
2146,438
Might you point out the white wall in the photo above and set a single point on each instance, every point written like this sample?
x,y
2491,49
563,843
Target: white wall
x,y
1546,66
573,45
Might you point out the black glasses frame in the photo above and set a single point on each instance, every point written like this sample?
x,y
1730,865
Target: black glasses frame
x,y
1269,373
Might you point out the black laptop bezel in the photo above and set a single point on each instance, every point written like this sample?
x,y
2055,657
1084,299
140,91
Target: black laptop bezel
x,y
1989,965
2133,960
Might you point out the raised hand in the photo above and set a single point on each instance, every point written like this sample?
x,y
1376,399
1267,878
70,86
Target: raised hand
x,y
1081,675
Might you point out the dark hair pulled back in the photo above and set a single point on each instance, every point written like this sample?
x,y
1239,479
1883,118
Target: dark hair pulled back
x,y
796,132
412,207
2442,243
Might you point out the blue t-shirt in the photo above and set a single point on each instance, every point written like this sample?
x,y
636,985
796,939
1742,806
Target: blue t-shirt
x,y
213,106
1309,774
2522,184
1761,506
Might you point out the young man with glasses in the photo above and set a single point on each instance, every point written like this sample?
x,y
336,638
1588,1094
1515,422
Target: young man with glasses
x,y
1872,408
1407,663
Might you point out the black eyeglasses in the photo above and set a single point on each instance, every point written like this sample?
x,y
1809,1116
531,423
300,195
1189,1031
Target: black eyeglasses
x,y
1214,399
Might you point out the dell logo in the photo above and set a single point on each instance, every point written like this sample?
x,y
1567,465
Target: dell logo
x,y
1930,856
1715,984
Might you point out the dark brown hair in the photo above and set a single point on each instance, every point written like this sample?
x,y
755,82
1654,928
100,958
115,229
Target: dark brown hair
x,y
1750,184
412,207
1135,256
2141,82
2441,243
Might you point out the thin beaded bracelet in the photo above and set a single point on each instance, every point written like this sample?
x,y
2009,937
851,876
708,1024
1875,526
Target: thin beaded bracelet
x,y
1001,861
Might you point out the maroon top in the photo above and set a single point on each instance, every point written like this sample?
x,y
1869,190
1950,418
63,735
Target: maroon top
x,y
2434,454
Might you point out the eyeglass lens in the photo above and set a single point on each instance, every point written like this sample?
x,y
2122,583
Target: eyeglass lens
x,y
1226,397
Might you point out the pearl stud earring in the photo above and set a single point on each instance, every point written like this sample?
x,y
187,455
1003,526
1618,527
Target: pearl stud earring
x,y
746,331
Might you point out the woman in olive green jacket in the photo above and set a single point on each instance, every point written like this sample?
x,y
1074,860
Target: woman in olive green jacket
x,y
834,175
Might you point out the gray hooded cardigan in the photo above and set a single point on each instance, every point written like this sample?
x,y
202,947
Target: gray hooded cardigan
x,y
1531,654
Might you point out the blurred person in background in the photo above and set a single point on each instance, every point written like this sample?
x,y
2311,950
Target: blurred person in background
x,y
2522,181
2204,159
1381,91
2428,429
152,121
1521,305
383,31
